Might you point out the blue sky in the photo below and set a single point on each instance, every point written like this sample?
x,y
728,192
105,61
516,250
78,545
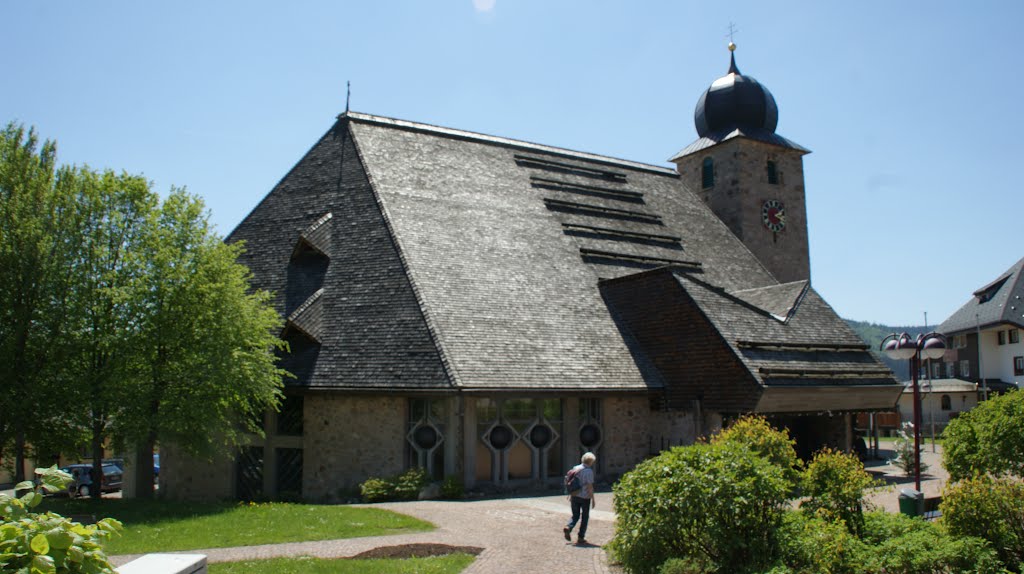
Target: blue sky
x,y
911,109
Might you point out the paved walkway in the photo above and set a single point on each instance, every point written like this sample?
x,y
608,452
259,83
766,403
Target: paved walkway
x,y
524,535
517,535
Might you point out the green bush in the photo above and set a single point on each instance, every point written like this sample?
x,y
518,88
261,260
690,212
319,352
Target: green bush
x,y
718,503
813,545
377,490
49,543
898,544
834,483
452,488
987,439
685,566
409,484
991,508
891,544
405,486
758,435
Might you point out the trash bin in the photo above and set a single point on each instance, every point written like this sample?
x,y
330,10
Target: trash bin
x,y
911,502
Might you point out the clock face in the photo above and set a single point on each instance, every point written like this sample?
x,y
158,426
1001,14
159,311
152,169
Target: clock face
x,y
773,215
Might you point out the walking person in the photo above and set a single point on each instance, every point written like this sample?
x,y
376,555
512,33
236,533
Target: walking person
x,y
582,500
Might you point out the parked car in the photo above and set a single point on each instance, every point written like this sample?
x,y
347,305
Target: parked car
x,y
118,462
83,483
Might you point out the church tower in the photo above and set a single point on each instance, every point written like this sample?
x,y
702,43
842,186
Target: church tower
x,y
751,177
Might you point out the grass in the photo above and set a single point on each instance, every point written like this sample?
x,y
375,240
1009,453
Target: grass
x,y
449,564
159,526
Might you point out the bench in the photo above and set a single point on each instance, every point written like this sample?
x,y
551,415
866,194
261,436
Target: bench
x,y
166,564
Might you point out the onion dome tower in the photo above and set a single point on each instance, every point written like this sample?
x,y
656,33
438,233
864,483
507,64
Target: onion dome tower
x,y
751,177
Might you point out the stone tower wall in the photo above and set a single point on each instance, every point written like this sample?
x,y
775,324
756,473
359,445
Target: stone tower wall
x,y
740,190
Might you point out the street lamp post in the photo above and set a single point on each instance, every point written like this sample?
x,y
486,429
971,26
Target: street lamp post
x,y
902,346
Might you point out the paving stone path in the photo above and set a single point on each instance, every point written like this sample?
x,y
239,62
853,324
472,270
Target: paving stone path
x,y
522,535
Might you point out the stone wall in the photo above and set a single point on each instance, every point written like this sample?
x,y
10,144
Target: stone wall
x,y
349,438
634,432
183,477
738,195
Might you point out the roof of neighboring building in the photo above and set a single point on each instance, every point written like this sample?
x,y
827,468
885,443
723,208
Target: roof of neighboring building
x,y
1001,301
941,386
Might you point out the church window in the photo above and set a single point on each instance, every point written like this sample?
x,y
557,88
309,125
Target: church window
x,y
707,173
947,404
773,173
1018,366
1014,336
1002,337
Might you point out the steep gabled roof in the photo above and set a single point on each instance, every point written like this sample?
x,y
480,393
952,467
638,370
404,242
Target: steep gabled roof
x,y
774,349
425,258
999,302
505,241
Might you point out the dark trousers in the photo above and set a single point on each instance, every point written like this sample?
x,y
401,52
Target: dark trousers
x,y
580,513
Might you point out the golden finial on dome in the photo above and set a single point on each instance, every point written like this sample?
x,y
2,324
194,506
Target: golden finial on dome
x,y
732,46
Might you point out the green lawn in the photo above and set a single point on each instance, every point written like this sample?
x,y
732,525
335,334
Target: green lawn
x,y
449,564
157,526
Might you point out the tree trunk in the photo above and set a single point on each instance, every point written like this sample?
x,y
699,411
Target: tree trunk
x,y
97,456
144,468
19,456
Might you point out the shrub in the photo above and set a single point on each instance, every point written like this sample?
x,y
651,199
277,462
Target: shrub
x,y
409,484
685,566
987,439
898,544
405,486
834,483
377,490
757,434
904,449
991,508
50,543
718,503
452,488
811,544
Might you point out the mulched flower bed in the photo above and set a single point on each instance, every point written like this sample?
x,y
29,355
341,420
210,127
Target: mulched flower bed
x,y
421,550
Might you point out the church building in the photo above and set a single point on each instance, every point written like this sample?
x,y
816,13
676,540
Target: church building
x,y
489,308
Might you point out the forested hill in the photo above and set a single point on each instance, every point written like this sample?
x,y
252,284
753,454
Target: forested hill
x,y
873,333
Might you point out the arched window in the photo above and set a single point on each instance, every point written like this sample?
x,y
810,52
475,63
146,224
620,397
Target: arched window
x,y
946,403
773,173
707,173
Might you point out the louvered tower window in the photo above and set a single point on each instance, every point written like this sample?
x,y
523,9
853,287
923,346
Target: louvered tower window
x,y
773,173
707,173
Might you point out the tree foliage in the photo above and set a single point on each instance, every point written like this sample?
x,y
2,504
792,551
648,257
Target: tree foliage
x,y
122,316
204,351
38,229
987,439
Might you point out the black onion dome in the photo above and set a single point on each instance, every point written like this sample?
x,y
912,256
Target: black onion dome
x,y
735,101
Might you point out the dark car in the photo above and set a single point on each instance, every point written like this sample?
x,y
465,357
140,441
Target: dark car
x,y
84,485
